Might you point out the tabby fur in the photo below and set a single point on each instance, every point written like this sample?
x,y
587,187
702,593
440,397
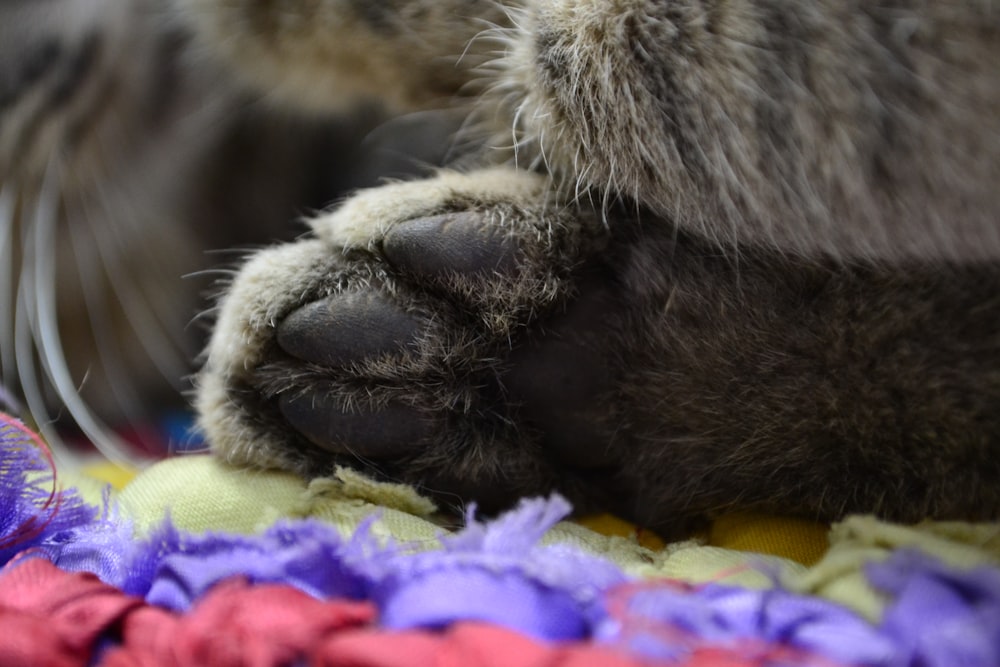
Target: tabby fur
x,y
696,255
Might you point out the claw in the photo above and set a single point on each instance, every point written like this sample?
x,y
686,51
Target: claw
x,y
462,243
345,328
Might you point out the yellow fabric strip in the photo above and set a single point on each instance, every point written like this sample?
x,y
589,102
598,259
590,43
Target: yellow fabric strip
x,y
795,539
610,525
110,473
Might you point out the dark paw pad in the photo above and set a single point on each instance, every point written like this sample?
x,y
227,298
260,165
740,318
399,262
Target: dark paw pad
x,y
453,243
385,432
346,328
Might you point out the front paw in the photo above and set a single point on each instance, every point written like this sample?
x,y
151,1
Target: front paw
x,y
408,341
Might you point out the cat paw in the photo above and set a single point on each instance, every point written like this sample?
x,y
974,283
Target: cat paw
x,y
445,333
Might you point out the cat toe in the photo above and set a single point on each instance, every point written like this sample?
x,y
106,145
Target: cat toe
x,y
336,332
346,328
378,433
464,243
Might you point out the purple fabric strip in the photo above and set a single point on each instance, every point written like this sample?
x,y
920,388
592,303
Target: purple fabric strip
x,y
941,616
33,515
668,622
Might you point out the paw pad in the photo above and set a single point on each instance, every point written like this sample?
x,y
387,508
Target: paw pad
x,y
344,328
382,433
453,243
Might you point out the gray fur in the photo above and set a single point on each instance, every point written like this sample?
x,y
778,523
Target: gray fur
x,y
789,301
752,255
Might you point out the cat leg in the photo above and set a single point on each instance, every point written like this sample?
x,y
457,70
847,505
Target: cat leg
x,y
824,129
470,335
484,343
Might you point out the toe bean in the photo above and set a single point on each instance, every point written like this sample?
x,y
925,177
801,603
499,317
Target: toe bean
x,y
383,433
463,243
345,328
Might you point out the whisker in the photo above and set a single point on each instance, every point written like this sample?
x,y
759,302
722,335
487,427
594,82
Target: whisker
x,y
113,233
163,346
25,367
217,271
98,315
42,283
8,206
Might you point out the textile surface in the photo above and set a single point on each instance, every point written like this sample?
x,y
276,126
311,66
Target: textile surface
x,y
194,563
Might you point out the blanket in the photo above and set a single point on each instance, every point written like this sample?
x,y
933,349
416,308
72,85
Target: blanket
x,y
195,563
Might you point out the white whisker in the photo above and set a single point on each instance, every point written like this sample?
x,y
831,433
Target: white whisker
x,y
144,309
25,367
40,276
143,317
8,206
98,314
